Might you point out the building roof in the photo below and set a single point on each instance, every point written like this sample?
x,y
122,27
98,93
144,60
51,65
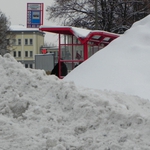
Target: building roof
x,y
22,28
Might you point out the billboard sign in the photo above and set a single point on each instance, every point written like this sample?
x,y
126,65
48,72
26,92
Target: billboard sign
x,y
34,15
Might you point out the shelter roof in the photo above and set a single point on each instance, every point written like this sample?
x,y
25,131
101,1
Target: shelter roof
x,y
84,35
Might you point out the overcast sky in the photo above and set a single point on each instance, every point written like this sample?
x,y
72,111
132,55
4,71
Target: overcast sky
x,y
16,11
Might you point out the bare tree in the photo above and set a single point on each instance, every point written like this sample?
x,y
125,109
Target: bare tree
x,y
128,12
112,15
75,12
5,34
46,44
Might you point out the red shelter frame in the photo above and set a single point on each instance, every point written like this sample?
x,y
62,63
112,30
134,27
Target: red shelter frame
x,y
92,38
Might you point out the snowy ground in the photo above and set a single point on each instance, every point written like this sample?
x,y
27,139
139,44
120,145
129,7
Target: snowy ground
x,y
40,112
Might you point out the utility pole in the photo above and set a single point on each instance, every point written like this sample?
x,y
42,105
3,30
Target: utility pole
x,y
96,16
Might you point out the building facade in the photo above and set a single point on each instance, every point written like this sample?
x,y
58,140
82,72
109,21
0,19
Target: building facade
x,y
26,43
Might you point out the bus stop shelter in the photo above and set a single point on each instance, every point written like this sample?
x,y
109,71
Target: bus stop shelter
x,y
76,44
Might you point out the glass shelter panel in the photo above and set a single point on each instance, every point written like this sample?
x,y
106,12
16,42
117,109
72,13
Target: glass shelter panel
x,y
72,55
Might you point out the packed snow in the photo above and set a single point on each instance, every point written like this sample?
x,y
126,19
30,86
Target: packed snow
x,y
42,112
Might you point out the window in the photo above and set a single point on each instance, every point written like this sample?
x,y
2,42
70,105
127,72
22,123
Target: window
x,y
31,54
26,53
26,65
19,41
31,66
19,53
31,41
26,41
14,53
14,42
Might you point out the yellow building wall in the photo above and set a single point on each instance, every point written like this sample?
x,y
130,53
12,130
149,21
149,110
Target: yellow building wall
x,y
25,52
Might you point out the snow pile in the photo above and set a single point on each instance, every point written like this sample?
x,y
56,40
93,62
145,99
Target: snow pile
x,y
40,112
121,66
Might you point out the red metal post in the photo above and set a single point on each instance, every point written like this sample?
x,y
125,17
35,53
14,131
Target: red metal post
x,y
85,51
72,52
59,56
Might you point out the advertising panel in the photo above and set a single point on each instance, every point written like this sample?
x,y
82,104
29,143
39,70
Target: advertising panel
x,y
34,15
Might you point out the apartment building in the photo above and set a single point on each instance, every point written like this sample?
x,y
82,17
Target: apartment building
x,y
27,42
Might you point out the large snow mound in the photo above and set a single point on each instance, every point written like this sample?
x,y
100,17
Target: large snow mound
x,y
121,66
